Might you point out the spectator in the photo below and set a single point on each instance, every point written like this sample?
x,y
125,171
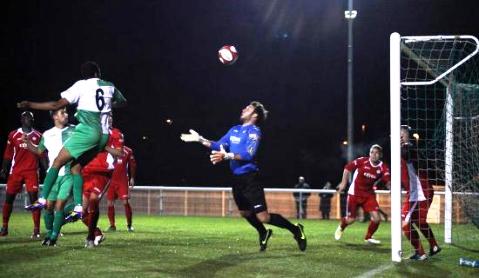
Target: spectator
x,y
325,202
301,198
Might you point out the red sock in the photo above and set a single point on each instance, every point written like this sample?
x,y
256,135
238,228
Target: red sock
x,y
93,218
36,220
372,228
128,214
7,211
343,223
413,236
86,217
427,232
111,215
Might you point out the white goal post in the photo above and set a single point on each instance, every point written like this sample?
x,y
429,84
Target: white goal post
x,y
436,74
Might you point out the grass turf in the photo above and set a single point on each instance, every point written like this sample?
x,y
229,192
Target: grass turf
x,y
221,247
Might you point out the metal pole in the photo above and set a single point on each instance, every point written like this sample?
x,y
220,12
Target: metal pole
x,y
448,169
300,205
350,19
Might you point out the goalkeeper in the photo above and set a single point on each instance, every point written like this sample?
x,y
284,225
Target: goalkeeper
x,y
239,146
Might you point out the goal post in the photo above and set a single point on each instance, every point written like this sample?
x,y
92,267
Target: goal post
x,y
395,118
431,89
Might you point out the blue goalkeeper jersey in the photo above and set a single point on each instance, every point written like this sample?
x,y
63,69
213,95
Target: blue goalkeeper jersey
x,y
242,140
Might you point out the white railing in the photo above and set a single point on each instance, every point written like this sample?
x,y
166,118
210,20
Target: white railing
x,y
218,201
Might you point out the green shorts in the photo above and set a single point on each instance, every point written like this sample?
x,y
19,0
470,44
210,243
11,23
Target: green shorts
x,y
83,139
103,140
61,189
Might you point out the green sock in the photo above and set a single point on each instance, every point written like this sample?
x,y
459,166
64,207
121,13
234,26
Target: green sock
x,y
48,218
68,208
57,224
77,189
50,179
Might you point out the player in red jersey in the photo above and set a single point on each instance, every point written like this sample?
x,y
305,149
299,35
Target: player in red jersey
x,y
419,196
368,171
122,178
96,178
23,170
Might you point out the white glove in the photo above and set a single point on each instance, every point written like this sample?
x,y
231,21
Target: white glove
x,y
193,136
218,156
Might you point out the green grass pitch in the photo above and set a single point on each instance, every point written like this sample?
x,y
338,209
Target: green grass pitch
x,y
221,247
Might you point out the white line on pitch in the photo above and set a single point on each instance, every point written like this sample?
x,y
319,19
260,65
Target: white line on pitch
x,y
375,271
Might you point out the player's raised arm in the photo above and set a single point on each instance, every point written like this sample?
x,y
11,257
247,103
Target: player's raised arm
x,y
118,100
48,105
194,136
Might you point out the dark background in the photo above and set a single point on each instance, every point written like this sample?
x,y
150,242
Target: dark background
x,y
163,56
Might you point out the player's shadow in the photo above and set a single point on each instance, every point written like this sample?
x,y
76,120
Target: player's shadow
x,y
365,247
209,268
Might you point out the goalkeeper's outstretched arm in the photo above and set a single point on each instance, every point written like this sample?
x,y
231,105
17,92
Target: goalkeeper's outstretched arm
x,y
193,136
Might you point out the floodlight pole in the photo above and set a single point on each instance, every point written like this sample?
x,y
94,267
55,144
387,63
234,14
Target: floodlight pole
x,y
350,15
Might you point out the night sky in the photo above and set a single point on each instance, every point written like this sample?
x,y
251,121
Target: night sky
x,y
163,56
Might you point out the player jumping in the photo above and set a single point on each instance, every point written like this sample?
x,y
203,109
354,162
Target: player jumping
x,y
239,146
367,172
93,96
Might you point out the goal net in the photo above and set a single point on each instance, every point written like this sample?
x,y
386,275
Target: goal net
x,y
435,93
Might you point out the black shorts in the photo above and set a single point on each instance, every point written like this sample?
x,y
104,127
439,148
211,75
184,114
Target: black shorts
x,y
248,193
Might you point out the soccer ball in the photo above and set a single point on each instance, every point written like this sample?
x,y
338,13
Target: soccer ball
x,y
228,55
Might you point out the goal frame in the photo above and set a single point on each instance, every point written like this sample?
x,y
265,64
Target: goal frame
x,y
395,123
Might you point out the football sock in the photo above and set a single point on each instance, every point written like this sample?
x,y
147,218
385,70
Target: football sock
x,y
50,179
128,214
253,221
343,224
93,218
36,220
48,219
77,189
57,224
427,232
411,233
372,228
111,215
279,221
7,211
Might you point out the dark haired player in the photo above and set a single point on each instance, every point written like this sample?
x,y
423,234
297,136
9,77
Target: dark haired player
x,y
94,97
52,141
367,172
23,166
239,146
122,179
